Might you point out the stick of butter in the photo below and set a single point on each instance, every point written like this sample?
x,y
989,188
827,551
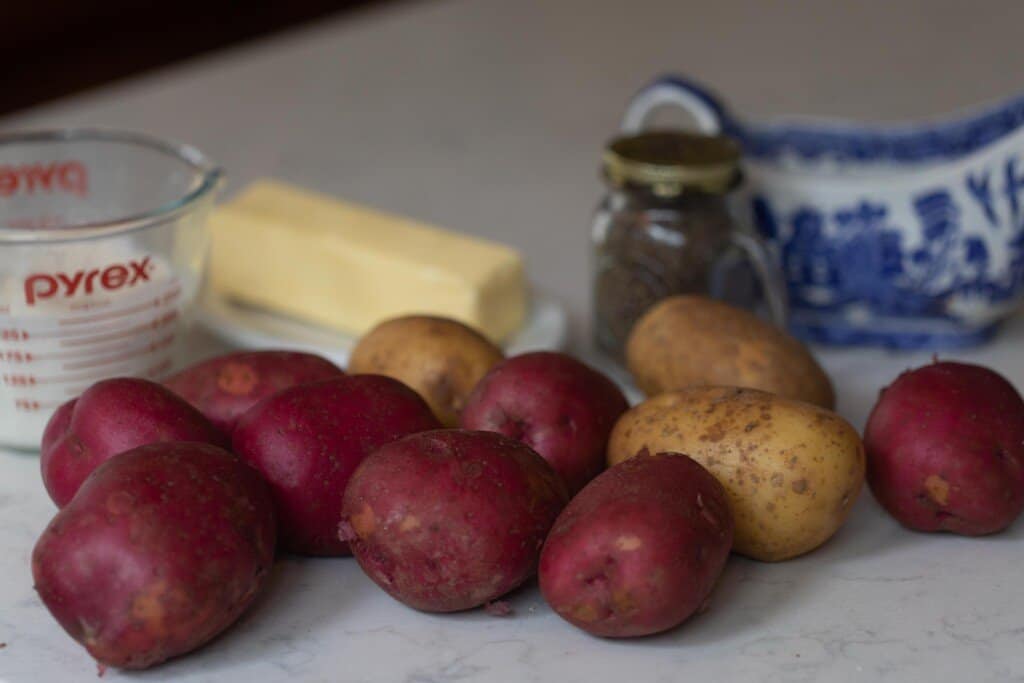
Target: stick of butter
x,y
349,267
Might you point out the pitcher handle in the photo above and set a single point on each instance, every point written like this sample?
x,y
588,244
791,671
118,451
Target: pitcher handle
x,y
706,110
767,272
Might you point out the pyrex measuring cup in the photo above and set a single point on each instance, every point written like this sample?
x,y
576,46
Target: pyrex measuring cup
x,y
102,248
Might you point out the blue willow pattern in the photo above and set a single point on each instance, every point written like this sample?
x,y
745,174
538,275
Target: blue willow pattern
x,y
856,256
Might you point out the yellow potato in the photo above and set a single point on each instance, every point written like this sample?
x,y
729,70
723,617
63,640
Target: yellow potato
x,y
440,358
692,340
792,470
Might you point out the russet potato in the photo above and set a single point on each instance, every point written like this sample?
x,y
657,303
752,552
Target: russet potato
x,y
792,470
692,340
441,359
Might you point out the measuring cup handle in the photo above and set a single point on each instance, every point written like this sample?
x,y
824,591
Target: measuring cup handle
x,y
706,110
767,272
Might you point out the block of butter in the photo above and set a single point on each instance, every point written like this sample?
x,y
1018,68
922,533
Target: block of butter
x,y
349,267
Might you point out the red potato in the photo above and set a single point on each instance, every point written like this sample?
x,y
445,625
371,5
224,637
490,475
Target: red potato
x,y
58,425
560,407
111,417
223,388
945,449
639,549
308,439
161,549
450,519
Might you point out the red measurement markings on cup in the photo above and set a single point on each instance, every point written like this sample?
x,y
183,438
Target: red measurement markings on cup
x,y
123,356
159,302
88,358
74,338
107,321
152,325
153,372
18,357
69,329
93,358
15,380
28,404
31,405
52,355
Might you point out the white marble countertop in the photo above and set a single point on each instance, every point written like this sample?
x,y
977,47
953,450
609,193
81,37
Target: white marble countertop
x,y
488,116
876,603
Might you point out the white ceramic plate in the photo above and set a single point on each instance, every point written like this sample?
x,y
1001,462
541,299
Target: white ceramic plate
x,y
546,328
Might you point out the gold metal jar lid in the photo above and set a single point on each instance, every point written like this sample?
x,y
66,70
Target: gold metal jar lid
x,y
669,162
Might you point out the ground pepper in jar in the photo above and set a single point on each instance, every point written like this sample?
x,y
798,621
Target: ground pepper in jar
x,y
665,228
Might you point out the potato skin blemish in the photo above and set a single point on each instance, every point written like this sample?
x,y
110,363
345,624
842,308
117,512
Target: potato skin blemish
x,y
628,543
937,488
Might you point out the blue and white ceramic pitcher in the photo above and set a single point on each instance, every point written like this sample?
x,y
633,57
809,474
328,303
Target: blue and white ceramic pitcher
x,y
908,236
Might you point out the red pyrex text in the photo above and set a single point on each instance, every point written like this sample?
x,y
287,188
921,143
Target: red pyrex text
x,y
116,276
66,176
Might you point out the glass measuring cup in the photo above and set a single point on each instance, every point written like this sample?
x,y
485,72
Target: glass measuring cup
x,y
102,248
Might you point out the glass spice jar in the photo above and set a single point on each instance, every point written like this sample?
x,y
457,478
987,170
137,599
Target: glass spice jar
x,y
665,228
